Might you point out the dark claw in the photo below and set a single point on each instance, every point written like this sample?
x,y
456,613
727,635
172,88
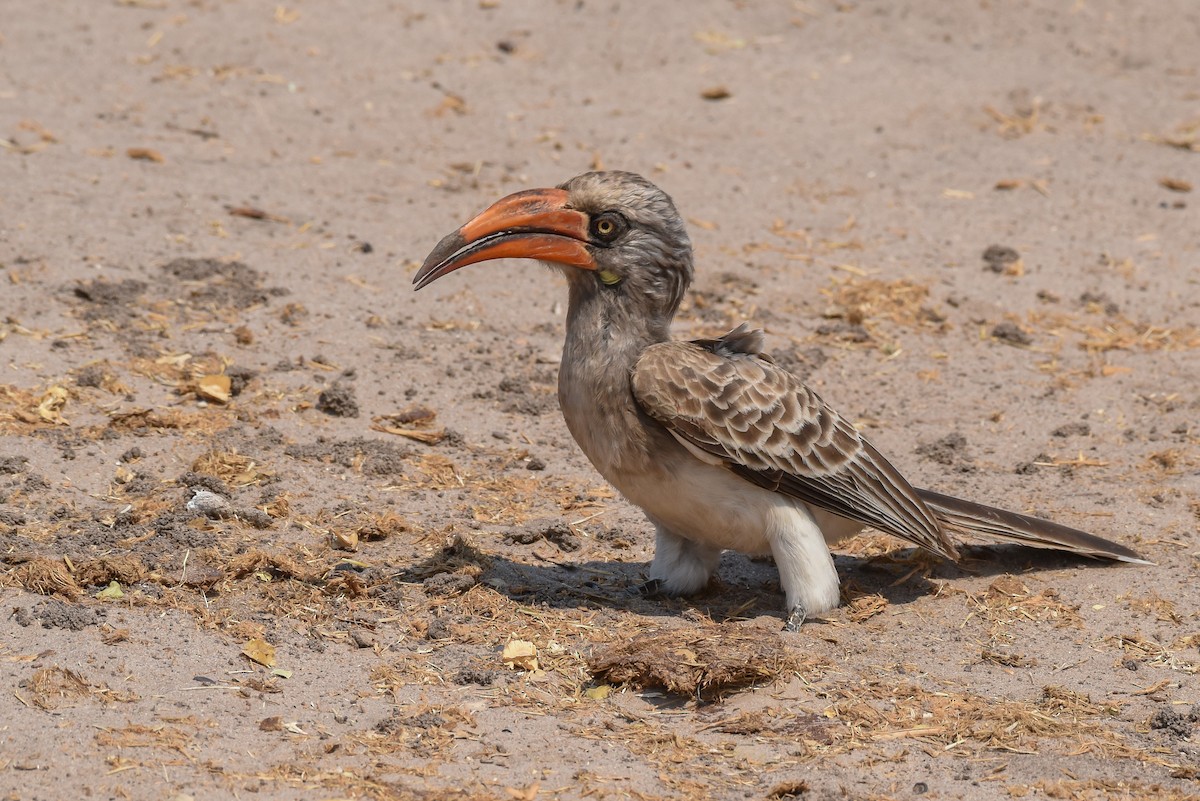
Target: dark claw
x,y
647,589
795,618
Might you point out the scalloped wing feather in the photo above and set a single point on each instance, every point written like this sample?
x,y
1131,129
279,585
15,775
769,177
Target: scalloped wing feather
x,y
726,399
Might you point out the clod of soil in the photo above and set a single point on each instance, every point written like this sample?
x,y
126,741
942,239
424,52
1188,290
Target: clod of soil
x,y
371,457
221,284
950,450
1072,430
194,480
338,401
844,331
554,531
1176,724
55,614
447,584
997,257
1101,299
483,678
1011,333
11,465
239,377
110,299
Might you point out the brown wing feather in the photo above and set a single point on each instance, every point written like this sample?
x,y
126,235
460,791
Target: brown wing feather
x,y
977,520
722,397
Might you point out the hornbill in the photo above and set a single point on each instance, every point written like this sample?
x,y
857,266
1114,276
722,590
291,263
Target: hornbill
x,y
721,447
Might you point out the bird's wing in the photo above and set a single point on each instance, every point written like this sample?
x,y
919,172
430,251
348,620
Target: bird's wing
x,y
724,398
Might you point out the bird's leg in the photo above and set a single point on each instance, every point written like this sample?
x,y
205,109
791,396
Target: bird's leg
x,y
795,618
681,566
806,571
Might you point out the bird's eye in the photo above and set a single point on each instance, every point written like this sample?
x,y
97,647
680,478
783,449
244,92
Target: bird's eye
x,y
607,227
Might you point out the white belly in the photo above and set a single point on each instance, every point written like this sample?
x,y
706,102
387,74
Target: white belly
x,y
710,505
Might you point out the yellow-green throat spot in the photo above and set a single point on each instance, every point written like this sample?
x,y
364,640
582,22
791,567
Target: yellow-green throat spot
x,y
609,279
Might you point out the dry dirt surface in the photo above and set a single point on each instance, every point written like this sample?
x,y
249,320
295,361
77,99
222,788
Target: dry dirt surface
x,y
274,526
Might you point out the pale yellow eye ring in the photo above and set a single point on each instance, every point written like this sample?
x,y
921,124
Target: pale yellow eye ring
x,y
605,227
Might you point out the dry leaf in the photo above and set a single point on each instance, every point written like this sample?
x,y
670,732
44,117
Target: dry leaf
x,y
716,93
520,655
1175,184
216,388
428,437
450,103
346,540
599,692
260,651
50,406
111,593
145,154
413,423
252,213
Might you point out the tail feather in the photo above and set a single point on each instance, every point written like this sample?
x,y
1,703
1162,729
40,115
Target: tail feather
x,y
998,524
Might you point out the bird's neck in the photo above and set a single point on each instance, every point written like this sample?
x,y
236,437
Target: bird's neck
x,y
607,334
604,339
605,320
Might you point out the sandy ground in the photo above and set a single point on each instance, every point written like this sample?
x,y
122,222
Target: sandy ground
x,y
210,212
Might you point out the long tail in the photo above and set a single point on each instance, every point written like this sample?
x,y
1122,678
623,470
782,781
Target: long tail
x,y
998,524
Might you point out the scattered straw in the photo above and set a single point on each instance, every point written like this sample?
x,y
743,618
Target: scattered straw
x,y
54,687
46,577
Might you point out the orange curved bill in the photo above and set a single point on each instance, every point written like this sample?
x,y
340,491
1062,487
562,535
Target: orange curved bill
x,y
533,224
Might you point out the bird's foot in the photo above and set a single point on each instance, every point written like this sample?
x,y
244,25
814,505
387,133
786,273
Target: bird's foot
x,y
647,589
795,618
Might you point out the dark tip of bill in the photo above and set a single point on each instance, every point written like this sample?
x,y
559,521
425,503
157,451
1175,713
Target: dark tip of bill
x,y
450,245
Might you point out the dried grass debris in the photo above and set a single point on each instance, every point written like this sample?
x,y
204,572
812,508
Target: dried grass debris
x,y
1008,600
135,735
859,301
789,791
235,469
54,687
1143,649
1122,333
456,556
1186,136
45,577
280,565
22,408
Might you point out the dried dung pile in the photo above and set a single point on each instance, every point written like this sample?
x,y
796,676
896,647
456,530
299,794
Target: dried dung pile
x,y
696,664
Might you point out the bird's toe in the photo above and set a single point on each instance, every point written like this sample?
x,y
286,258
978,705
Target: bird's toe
x,y
647,589
795,618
